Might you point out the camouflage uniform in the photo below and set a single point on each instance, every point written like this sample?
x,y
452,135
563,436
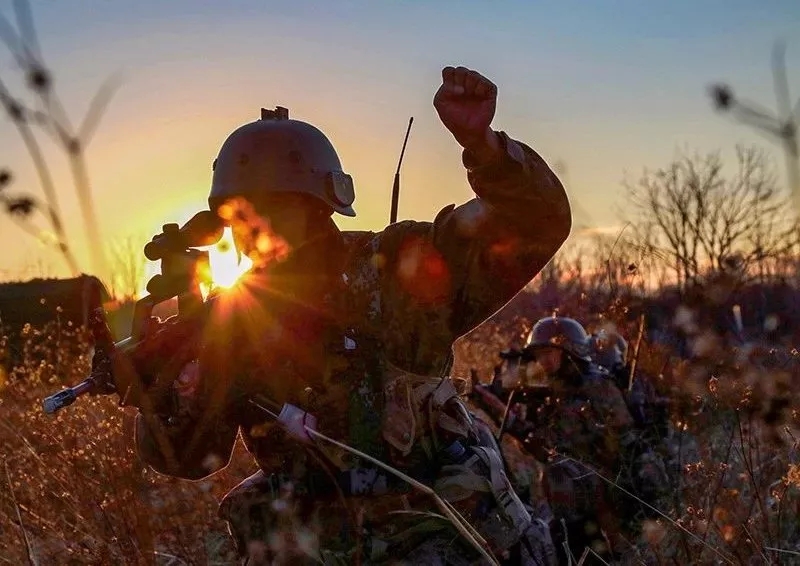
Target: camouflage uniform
x,y
363,342
578,425
651,417
568,427
648,408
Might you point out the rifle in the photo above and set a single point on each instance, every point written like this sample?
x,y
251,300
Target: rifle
x,y
534,398
117,366
497,401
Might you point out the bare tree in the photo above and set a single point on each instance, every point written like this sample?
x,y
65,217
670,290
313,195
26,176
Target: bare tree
x,y
619,263
646,260
696,219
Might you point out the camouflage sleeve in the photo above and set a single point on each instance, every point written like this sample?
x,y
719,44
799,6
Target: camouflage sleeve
x,y
495,244
612,428
185,449
639,467
441,279
194,440
608,401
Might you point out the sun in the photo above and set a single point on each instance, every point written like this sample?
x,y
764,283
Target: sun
x,y
225,267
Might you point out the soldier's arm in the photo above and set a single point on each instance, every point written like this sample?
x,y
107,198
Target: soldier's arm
x,y
183,449
613,422
609,402
495,244
194,441
523,427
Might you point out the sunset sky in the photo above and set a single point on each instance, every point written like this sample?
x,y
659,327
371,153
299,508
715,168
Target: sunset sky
x,y
606,87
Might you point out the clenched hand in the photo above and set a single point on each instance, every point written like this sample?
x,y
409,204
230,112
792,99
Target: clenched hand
x,y
466,104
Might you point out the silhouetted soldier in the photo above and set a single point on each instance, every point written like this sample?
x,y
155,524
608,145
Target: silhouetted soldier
x,y
355,330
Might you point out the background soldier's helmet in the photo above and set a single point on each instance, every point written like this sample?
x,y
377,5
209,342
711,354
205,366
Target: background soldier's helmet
x,y
609,349
561,332
276,154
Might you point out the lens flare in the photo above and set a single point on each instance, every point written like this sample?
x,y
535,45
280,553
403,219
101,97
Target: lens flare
x,y
225,267
224,264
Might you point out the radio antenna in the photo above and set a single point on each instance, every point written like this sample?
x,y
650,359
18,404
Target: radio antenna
x,y
396,186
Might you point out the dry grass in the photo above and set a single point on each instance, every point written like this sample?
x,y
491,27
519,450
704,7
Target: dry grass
x,y
733,450
73,492
75,489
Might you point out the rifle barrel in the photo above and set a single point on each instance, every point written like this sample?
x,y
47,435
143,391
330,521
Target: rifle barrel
x,y
66,397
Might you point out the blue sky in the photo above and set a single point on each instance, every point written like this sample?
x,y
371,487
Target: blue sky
x,y
607,87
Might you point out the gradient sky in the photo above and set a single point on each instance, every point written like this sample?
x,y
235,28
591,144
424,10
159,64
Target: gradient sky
x,y
607,87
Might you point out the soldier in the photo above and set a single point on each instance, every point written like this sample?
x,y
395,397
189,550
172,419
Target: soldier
x,y
609,350
579,426
352,332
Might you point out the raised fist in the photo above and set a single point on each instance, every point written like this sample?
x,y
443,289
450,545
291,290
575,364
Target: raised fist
x,y
466,103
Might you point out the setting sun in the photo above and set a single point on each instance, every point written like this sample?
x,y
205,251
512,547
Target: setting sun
x,y
225,270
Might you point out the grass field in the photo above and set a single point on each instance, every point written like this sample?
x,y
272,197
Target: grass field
x,y
73,492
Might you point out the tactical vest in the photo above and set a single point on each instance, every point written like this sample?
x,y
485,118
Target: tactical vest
x,y
395,416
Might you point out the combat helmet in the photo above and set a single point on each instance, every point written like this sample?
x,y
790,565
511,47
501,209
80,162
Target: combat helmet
x,y
564,333
276,154
608,349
